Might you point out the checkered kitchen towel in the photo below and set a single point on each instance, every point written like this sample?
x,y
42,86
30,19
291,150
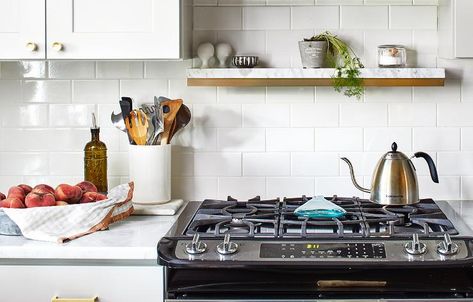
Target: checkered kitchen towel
x,y
64,223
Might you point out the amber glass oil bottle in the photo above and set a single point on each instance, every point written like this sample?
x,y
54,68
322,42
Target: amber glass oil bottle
x,y
95,159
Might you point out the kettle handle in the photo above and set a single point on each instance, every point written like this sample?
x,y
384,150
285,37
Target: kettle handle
x,y
430,162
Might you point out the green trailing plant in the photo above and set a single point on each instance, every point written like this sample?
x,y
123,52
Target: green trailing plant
x,y
347,65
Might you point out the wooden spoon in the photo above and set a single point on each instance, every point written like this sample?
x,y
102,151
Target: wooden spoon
x,y
183,118
137,125
170,109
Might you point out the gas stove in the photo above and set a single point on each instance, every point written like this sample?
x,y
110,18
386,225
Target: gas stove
x,y
260,248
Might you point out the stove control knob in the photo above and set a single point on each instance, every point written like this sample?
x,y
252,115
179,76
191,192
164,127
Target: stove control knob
x,y
196,247
227,247
447,247
415,247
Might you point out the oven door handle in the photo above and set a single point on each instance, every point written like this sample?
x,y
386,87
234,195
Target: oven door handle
x,y
350,283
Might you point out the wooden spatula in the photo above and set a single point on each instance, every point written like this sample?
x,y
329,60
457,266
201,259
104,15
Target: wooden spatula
x,y
137,125
170,109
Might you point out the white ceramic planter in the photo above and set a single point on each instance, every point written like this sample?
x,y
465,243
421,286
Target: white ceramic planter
x,y
150,169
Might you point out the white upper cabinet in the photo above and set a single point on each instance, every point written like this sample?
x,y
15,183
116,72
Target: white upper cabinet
x,y
22,29
95,29
455,28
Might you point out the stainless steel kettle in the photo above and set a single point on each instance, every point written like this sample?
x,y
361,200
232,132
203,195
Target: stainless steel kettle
x,y
394,180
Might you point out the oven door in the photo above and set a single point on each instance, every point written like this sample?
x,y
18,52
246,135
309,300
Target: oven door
x,y
319,284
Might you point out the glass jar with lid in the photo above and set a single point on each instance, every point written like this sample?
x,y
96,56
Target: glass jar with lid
x,y
392,56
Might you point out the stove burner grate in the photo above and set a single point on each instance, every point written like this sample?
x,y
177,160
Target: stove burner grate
x,y
273,218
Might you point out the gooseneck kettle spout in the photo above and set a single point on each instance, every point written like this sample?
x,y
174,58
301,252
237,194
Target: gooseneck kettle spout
x,y
352,174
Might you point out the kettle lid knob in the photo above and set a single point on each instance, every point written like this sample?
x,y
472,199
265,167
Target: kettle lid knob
x,y
394,147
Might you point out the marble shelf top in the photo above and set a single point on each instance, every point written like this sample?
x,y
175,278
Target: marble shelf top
x,y
321,73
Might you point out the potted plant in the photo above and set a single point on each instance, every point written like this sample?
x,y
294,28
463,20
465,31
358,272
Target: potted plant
x,y
326,49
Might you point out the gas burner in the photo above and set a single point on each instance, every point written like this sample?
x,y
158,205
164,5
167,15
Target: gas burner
x,y
252,218
257,217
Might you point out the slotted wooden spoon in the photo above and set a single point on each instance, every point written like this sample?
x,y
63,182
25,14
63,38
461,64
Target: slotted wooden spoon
x,y
137,125
170,109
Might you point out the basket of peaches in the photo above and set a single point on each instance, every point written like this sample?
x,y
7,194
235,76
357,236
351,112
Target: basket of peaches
x,y
64,213
25,196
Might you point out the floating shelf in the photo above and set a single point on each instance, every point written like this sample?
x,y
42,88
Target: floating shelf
x,y
254,77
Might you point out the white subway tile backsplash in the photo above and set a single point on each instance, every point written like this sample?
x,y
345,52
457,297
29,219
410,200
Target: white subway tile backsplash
x,y
194,188
388,94
289,186
364,17
290,95
119,70
360,114
314,164
24,69
25,115
266,18
467,187
57,91
412,115
71,69
27,163
67,115
249,42
194,95
316,17
224,116
10,91
413,17
241,187
437,139
455,163
232,95
287,139
217,164
380,139
197,139
63,164
93,91
266,164
274,115
455,115
466,139
338,139
241,139
217,18
448,188
341,186
315,115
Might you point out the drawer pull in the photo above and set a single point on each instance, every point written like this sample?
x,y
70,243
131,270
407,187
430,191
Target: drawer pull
x,y
57,299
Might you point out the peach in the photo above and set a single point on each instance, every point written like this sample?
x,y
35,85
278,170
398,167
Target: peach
x,y
16,192
88,197
43,189
12,202
34,200
101,197
2,196
67,193
61,203
26,188
87,186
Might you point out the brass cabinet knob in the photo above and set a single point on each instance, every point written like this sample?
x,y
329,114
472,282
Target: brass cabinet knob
x,y
58,46
32,46
56,299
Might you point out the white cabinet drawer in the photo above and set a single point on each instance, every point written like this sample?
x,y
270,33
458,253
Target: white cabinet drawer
x,y
108,283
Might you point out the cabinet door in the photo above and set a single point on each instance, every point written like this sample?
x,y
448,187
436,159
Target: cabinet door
x,y
463,28
111,29
22,29
108,283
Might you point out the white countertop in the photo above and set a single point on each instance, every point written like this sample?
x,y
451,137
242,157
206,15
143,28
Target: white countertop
x,y
132,241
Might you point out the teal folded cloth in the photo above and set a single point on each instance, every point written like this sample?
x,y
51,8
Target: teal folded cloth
x,y
319,207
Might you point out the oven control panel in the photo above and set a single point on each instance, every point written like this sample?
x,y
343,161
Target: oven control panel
x,y
323,250
402,250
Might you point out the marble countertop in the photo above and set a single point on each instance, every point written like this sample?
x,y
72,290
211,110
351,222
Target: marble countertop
x,y
129,242
132,241
319,73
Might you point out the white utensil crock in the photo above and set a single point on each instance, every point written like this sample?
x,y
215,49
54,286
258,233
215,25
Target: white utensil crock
x,y
150,169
